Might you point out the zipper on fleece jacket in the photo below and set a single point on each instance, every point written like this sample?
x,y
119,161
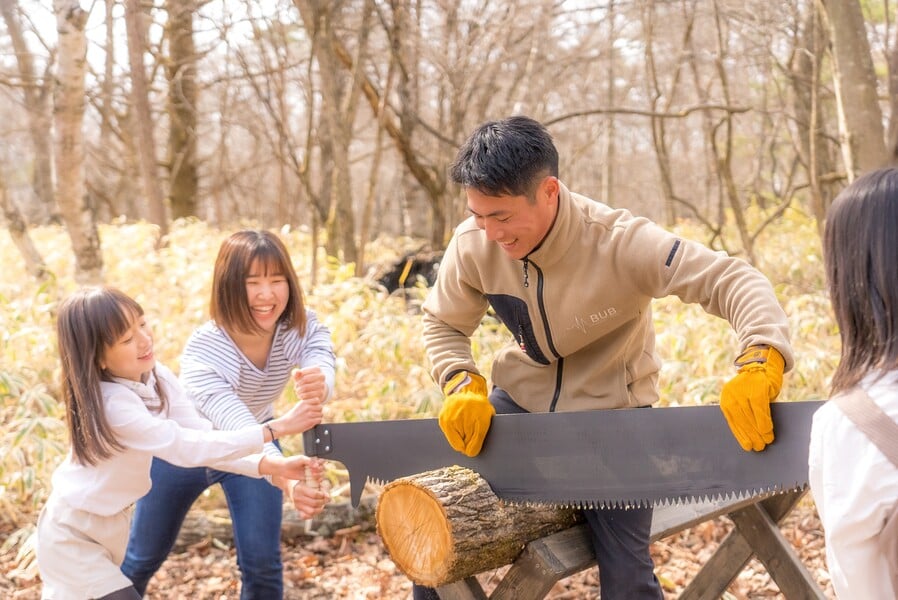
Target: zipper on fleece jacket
x,y
544,317
558,377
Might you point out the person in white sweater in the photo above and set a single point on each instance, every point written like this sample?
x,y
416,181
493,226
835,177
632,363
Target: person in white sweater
x,y
854,485
122,409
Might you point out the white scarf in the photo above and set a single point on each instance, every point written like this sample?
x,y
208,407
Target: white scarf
x,y
145,390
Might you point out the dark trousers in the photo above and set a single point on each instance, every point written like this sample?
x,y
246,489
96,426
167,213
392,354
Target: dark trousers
x,y
620,539
128,593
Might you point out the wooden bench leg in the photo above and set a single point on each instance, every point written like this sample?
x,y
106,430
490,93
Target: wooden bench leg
x,y
726,563
544,562
756,532
775,552
466,589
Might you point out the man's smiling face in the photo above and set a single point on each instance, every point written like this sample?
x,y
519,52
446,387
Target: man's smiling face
x,y
517,223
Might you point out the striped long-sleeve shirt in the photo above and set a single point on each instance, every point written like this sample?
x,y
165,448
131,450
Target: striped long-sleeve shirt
x,y
231,391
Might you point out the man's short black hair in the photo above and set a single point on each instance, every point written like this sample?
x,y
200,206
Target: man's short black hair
x,y
506,158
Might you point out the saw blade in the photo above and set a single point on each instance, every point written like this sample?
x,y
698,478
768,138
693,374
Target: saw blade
x,y
590,459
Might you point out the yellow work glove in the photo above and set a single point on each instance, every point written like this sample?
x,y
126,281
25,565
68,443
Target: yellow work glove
x,y
466,413
745,399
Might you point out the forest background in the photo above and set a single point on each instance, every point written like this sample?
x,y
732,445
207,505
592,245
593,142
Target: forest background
x,y
134,136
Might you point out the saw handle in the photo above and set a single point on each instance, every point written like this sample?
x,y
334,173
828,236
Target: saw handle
x,y
317,441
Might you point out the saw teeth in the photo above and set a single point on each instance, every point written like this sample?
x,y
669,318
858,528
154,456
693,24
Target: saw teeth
x,y
648,502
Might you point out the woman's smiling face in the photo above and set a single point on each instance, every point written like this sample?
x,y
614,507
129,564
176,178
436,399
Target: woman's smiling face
x,y
267,293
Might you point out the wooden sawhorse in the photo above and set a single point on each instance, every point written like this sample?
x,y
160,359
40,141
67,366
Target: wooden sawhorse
x,y
545,561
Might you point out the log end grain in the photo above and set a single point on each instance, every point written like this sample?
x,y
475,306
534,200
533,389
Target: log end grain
x,y
413,525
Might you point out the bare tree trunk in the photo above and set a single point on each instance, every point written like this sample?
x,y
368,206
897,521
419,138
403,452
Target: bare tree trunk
x,y
373,178
429,178
659,123
326,191
104,179
18,231
863,136
405,49
143,118
892,56
610,99
182,98
36,90
221,164
285,209
713,204
270,85
807,104
339,102
107,85
725,157
70,98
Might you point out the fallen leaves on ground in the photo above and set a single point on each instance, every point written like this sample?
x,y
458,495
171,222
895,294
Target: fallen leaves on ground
x,y
354,566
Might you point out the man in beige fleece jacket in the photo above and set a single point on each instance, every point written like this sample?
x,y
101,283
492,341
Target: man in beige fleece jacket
x,y
573,280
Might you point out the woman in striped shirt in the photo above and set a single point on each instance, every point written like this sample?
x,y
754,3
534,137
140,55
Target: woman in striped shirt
x,y
235,367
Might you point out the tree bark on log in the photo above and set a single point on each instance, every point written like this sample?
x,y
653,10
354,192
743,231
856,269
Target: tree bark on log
x,y
444,525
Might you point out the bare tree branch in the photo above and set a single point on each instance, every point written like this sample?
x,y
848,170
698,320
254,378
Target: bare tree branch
x,y
679,114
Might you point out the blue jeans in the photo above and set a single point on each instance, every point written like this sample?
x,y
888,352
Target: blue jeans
x,y
620,539
255,506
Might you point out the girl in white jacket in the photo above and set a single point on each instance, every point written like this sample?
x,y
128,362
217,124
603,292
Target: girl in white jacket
x,y
854,485
122,408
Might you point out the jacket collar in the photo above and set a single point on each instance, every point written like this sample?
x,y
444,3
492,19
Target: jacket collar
x,y
146,391
564,231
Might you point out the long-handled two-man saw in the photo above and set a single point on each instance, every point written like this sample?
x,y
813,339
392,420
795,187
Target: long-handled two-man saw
x,y
591,459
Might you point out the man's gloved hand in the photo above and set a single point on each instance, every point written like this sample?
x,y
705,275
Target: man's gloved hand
x,y
466,413
745,399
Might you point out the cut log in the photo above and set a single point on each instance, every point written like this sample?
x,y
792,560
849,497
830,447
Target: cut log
x,y
444,525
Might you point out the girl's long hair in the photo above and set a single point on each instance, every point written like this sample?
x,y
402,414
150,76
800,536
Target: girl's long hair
x,y
89,320
860,250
